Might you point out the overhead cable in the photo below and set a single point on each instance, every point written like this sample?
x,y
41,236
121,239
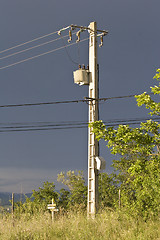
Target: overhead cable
x,y
33,40
40,103
65,102
70,123
30,48
42,54
62,127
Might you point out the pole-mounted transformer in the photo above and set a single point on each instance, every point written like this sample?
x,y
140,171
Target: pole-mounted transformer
x,y
82,76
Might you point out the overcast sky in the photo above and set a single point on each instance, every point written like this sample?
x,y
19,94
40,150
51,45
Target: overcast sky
x,y
128,62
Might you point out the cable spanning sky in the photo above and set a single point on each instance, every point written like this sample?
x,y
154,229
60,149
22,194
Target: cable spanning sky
x,y
36,67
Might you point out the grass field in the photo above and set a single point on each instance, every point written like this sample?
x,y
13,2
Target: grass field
x,y
106,225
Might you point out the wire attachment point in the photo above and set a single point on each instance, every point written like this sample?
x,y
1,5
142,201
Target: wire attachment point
x,y
72,28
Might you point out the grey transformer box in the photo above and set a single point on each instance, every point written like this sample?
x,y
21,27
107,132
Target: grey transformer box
x,y
82,76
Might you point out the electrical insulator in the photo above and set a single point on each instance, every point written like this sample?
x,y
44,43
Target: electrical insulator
x,y
70,36
78,36
101,44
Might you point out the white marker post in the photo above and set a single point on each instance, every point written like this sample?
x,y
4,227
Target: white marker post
x,y
52,208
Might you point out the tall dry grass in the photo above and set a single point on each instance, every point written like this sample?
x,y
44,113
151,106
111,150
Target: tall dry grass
x,y
107,225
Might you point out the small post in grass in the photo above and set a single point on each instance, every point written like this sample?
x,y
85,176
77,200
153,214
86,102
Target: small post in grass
x,y
12,204
119,198
52,208
12,210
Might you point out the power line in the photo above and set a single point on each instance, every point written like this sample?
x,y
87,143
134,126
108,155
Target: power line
x,y
63,127
42,54
117,97
33,40
44,125
66,123
131,120
42,122
41,129
30,48
40,103
71,125
65,102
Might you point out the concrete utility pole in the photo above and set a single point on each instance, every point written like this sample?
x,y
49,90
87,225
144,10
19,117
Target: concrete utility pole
x,y
90,77
93,148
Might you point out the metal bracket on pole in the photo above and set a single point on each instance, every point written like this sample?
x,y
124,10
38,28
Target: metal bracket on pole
x,y
89,29
91,99
63,29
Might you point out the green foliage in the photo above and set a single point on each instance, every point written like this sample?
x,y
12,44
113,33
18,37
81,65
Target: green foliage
x,y
78,191
63,199
74,198
28,208
108,190
146,99
45,193
138,158
38,201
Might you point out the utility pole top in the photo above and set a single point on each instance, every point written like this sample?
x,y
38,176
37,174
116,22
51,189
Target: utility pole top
x,y
73,27
90,29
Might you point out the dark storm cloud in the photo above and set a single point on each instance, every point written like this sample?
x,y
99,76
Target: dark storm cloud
x,y
128,61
